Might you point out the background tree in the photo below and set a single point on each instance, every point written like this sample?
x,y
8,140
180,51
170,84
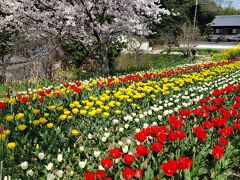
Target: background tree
x,y
169,28
96,25
189,38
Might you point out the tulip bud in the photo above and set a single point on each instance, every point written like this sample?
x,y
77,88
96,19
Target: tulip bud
x,y
81,148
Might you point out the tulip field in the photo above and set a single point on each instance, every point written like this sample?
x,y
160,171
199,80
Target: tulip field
x,y
181,123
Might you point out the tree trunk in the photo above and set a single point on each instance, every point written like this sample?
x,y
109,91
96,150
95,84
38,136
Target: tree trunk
x,y
190,55
105,63
169,49
3,70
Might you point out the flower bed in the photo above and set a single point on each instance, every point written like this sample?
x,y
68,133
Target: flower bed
x,y
64,131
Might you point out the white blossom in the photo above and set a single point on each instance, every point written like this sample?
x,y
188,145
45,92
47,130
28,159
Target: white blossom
x,y
50,176
49,166
24,165
59,157
82,164
29,172
96,153
60,173
41,155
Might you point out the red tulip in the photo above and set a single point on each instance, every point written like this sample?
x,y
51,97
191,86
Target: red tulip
x,y
218,151
157,147
184,163
89,176
169,168
142,150
128,159
128,173
107,163
115,153
138,173
100,174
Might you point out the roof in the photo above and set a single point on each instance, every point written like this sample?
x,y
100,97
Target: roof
x,y
226,21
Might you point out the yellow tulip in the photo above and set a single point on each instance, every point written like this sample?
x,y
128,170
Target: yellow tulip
x,y
106,114
21,127
2,137
36,111
74,132
118,112
50,125
20,116
69,117
60,108
46,114
75,110
83,112
7,131
51,108
63,117
11,145
9,118
36,122
67,112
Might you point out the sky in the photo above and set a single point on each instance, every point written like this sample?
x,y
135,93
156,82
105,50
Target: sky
x,y
235,3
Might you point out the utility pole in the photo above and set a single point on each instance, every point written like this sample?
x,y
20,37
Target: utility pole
x,y
195,15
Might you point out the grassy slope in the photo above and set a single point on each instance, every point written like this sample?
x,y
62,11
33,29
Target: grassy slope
x,y
126,64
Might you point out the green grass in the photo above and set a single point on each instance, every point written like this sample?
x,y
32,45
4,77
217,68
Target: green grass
x,y
127,64
21,86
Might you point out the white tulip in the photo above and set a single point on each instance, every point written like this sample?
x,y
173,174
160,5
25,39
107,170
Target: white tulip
x,y
49,166
154,123
90,136
81,148
82,164
104,139
121,129
29,172
137,130
150,112
115,121
145,125
59,157
136,120
165,113
106,134
117,160
96,153
41,156
120,143
24,165
125,149
134,114
129,141
141,116
7,178
50,176
100,167
60,173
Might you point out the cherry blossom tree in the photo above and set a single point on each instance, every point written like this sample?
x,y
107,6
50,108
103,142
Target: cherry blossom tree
x,y
93,23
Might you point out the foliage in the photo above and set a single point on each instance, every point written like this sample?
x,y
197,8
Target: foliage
x,y
169,29
127,64
229,11
189,37
228,53
94,24
76,53
68,130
